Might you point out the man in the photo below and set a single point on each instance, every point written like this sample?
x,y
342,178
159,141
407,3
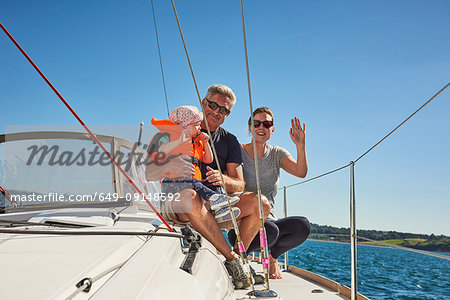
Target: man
x,y
218,102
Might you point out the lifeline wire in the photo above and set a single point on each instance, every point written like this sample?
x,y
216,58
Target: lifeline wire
x,y
88,282
262,231
160,60
233,219
327,173
84,126
420,108
426,103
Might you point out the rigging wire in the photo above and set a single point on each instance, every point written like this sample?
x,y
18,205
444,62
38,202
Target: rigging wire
x,y
86,283
311,179
160,60
187,56
96,140
242,252
379,142
206,120
201,106
425,104
262,231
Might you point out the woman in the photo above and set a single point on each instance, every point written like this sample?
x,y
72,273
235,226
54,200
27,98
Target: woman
x,y
286,233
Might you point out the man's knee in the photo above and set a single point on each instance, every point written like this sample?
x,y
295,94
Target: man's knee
x,y
189,202
265,205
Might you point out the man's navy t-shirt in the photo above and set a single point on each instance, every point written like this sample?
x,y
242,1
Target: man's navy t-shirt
x,y
228,151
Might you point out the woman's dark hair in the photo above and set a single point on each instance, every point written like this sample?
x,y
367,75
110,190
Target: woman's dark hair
x,y
259,110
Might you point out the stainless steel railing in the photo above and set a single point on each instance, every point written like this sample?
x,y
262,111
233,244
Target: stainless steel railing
x,y
353,235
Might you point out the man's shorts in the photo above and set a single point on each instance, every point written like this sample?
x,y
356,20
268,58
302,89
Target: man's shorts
x,y
169,214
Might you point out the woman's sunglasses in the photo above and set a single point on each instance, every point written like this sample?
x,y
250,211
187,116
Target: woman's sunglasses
x,y
213,105
266,124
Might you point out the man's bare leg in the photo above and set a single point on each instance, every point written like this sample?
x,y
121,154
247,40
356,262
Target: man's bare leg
x,y
202,221
250,222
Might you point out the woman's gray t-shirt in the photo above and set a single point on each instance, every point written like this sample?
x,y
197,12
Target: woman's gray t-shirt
x,y
269,170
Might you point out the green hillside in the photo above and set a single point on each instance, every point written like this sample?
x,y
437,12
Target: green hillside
x,y
426,242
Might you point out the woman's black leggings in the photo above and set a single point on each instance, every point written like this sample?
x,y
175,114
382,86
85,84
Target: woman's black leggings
x,y
282,235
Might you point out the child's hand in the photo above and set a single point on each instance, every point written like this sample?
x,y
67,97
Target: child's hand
x,y
204,137
185,136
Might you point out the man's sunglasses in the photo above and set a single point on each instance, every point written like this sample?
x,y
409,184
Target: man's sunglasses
x,y
213,105
266,124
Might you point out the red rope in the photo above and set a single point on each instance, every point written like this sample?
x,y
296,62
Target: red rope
x,y
84,125
5,192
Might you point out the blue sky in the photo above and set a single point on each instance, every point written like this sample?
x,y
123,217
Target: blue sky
x,y
351,70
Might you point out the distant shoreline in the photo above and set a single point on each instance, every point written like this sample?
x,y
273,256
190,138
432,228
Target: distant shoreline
x,y
417,241
376,245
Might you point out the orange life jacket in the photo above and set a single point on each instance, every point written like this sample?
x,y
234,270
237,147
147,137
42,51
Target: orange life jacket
x,y
169,132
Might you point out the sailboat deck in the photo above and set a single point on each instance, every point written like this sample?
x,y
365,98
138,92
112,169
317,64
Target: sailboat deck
x,y
294,286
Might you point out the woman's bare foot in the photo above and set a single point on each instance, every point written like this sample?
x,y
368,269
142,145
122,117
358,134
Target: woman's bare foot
x,y
274,268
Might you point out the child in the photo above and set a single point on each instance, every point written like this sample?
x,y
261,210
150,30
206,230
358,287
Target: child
x,y
181,135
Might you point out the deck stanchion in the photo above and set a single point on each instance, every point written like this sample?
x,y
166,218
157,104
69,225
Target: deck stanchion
x,y
353,232
286,262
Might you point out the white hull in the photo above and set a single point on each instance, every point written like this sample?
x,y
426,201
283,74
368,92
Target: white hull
x,y
49,266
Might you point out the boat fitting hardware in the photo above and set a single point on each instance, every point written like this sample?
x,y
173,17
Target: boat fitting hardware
x,y
189,259
85,281
191,240
189,236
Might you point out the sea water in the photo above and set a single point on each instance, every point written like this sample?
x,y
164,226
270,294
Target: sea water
x,y
383,273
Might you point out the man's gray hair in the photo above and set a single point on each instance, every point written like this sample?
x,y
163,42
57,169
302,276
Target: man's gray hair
x,y
223,90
